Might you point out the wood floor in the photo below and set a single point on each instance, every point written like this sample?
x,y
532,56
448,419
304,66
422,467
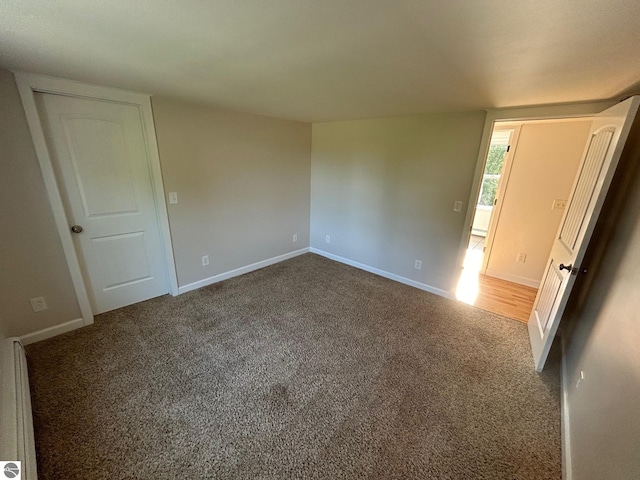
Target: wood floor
x,y
505,298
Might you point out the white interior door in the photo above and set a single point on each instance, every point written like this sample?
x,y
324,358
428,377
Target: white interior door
x,y
608,135
513,133
101,163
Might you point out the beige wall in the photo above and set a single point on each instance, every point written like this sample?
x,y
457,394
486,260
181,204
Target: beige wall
x,y
602,408
384,190
544,165
32,263
3,329
242,182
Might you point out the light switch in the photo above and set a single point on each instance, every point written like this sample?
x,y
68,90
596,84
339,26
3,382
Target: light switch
x,y
173,198
457,206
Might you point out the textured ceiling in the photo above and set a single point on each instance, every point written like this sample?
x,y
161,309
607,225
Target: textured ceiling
x,y
317,60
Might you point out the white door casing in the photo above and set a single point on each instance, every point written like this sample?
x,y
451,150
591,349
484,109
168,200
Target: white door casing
x,y
28,85
101,164
608,135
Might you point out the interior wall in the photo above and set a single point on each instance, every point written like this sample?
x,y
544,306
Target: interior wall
x,y
31,257
3,330
242,182
194,158
544,165
384,191
603,423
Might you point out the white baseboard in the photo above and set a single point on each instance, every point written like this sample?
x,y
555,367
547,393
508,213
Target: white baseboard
x,y
529,282
564,417
382,273
79,322
52,331
240,271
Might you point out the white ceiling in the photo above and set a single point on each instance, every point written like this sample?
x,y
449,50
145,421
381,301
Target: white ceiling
x,y
317,60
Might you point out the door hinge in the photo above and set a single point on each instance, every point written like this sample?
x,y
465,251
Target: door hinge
x,y
508,147
495,202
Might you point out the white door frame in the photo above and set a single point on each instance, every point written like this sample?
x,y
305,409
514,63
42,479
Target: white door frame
x,y
573,110
28,85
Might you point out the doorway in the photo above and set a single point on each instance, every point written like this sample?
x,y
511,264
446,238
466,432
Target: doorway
x,y
152,270
100,162
526,179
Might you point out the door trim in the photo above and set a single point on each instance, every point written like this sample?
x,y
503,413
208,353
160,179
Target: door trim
x,y
28,85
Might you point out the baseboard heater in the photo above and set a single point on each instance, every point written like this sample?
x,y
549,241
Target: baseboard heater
x,y
17,441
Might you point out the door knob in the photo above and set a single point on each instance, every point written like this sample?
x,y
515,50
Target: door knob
x,y
76,229
568,268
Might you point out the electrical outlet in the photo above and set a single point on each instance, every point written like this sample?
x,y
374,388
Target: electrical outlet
x,y
522,257
558,204
457,206
327,238
295,237
205,260
38,304
418,265
173,198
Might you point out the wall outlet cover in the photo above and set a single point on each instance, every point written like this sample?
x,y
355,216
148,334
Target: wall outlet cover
x,y
558,204
38,304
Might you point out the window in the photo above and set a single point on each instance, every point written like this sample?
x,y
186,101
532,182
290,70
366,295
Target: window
x,y
493,168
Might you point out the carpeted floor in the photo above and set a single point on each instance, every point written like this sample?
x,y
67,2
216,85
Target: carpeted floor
x,y
307,369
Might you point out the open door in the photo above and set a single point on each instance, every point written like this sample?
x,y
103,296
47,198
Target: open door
x,y
608,135
512,135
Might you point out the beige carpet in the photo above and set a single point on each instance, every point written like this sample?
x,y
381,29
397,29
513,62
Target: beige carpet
x,y
306,369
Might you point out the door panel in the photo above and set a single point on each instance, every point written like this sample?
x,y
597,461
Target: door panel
x,y
585,188
123,259
609,133
101,163
547,297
